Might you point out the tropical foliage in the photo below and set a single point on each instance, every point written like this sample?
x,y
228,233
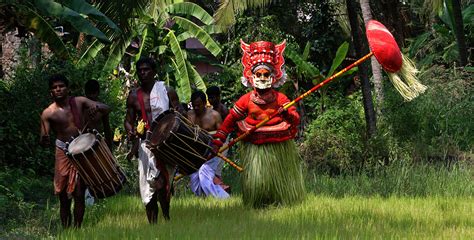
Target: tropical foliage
x,y
36,16
421,149
160,30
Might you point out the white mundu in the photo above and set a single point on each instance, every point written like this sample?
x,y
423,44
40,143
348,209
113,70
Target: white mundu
x,y
148,172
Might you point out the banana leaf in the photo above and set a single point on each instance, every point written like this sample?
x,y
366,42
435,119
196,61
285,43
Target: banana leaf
x,y
184,91
199,34
83,25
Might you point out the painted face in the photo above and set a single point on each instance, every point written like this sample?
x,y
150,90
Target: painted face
x,y
262,78
59,90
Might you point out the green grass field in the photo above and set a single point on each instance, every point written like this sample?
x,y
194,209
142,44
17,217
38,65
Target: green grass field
x,y
398,201
123,217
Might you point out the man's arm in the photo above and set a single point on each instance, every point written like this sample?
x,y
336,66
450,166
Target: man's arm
x,y
93,107
217,118
130,116
129,124
191,116
174,100
45,129
224,110
107,130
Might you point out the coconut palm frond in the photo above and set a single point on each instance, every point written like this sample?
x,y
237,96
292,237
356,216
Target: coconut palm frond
x,y
225,14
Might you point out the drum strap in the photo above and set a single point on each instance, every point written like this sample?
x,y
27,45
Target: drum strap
x,y
75,113
142,107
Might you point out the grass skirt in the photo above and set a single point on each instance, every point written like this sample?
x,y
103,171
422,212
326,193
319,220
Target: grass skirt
x,y
272,174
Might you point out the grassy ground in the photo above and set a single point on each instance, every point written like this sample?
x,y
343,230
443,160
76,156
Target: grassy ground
x,y
123,217
398,201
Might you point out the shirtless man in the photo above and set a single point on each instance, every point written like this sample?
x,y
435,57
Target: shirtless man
x,y
206,118
155,98
214,95
65,116
100,122
204,182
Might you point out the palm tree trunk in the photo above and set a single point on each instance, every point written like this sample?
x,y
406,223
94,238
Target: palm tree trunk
x,y
376,69
2,37
370,117
459,32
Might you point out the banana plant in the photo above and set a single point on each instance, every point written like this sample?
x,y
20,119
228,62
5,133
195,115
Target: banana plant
x,y
451,13
306,70
37,16
162,28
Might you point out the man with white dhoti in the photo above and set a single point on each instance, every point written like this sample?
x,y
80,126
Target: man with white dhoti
x,y
203,181
143,105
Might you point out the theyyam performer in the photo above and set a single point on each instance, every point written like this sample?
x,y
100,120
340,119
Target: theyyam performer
x,y
272,167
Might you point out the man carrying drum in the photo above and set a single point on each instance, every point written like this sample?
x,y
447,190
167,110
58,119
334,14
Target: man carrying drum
x,y
65,116
101,123
143,105
204,182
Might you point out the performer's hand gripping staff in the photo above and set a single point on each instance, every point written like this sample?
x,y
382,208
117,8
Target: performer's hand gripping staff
x,y
401,72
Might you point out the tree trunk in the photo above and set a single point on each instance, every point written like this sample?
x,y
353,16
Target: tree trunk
x,y
390,13
376,69
2,37
34,46
459,32
370,117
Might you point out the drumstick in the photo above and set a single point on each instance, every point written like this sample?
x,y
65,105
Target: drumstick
x,y
232,163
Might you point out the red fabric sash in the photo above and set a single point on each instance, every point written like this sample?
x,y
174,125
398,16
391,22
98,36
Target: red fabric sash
x,y
142,108
75,113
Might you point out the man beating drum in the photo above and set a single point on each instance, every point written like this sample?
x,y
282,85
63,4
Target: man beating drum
x,y
65,116
143,105
204,182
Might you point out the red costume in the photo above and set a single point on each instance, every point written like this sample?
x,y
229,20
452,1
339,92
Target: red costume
x,y
272,168
252,108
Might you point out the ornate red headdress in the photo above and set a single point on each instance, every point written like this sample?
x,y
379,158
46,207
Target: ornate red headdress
x,y
262,52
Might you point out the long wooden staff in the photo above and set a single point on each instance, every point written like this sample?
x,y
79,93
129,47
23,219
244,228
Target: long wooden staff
x,y
288,105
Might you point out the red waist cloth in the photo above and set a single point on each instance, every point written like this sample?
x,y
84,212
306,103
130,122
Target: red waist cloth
x,y
65,174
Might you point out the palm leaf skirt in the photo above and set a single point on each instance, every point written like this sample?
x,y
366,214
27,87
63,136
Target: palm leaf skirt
x,y
272,174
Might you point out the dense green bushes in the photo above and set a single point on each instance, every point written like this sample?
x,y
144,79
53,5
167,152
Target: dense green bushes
x,y
437,126
25,96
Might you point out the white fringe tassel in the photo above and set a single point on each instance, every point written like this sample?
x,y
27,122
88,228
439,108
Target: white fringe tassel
x,y
406,81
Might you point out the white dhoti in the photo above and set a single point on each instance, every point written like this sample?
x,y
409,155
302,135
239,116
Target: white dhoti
x,y
148,173
202,181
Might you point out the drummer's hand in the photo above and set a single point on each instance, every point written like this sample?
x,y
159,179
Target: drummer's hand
x,y
131,135
133,153
134,149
